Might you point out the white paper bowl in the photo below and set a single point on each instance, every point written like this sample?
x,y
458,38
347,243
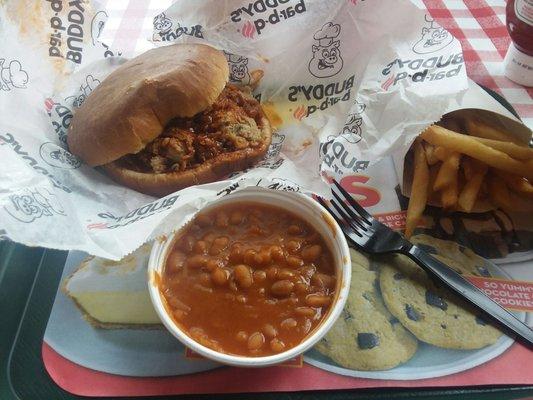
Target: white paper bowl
x,y
311,212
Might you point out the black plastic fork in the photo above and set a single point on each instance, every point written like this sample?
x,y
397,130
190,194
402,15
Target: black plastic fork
x,y
371,236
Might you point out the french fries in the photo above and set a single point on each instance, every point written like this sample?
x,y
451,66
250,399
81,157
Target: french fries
x,y
482,130
439,136
442,154
447,175
475,173
511,149
484,170
517,184
419,189
449,194
430,154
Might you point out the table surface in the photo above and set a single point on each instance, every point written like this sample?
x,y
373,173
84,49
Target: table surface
x,y
478,24
29,276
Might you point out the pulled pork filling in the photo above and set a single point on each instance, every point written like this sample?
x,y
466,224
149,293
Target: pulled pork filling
x,y
232,123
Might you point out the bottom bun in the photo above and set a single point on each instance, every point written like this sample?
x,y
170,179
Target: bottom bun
x,y
162,184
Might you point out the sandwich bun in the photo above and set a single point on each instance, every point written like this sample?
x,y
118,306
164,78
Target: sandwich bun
x,y
134,104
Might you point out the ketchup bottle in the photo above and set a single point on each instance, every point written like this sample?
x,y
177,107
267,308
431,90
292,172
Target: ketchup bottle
x,y
518,63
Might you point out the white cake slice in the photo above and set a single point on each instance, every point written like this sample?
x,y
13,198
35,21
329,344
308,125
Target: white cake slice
x,y
114,294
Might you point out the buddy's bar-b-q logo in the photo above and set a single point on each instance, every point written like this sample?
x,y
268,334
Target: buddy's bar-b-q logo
x,y
261,13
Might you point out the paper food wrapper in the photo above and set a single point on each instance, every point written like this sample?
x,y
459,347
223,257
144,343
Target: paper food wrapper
x,y
350,83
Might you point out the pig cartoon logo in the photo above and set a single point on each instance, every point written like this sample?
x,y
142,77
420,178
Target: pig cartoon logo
x,y
238,68
90,84
12,75
32,204
433,38
352,129
162,26
97,25
327,60
58,157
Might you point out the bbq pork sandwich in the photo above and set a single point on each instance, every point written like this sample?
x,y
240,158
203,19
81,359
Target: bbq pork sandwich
x,y
168,119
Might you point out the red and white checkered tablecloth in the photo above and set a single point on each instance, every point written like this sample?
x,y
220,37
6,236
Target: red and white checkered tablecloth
x,y
478,24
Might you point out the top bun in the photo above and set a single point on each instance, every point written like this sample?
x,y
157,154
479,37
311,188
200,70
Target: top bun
x,y
135,102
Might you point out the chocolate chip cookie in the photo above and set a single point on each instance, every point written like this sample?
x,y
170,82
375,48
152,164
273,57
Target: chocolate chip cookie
x,y
460,258
360,259
433,314
366,336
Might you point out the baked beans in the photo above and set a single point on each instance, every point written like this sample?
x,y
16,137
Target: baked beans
x,y
249,279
